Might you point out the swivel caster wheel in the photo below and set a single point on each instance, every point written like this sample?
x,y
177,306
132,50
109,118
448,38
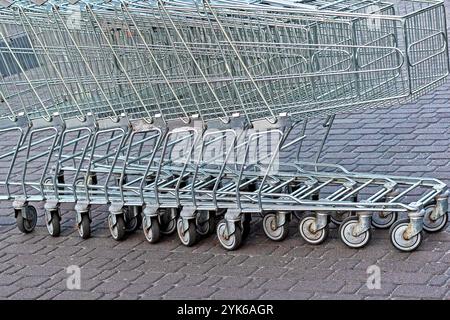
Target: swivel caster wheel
x,y
229,241
338,217
347,236
168,224
272,230
117,230
205,226
383,220
84,227
433,226
188,237
152,233
307,233
397,236
54,225
134,219
27,225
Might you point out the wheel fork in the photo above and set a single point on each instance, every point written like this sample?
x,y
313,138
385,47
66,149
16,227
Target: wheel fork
x,y
186,214
149,212
441,206
320,222
415,225
281,218
51,206
81,209
364,224
231,217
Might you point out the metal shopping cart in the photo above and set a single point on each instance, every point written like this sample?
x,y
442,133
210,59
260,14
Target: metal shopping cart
x,y
136,94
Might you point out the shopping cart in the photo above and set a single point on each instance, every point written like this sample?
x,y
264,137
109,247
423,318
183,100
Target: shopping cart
x,y
127,83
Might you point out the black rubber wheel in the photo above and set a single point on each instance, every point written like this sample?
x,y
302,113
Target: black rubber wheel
x,y
381,220
133,222
307,234
168,225
433,226
229,242
118,230
346,234
272,231
153,233
338,217
27,225
190,236
396,235
206,226
54,226
84,228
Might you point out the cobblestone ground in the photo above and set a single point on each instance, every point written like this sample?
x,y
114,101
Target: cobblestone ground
x,y
411,140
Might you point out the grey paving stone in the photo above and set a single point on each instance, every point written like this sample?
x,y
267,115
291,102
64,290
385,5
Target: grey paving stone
x,y
232,270
156,291
279,284
28,294
6,279
420,291
239,294
286,295
8,290
31,281
187,292
318,286
78,295
112,286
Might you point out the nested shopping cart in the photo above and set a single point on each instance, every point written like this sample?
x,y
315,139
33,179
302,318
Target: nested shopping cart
x,y
178,112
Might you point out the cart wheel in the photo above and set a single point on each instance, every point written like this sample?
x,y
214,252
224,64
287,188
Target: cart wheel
x,y
397,232
338,217
433,226
118,230
84,228
188,238
383,220
346,233
229,242
168,226
54,226
272,231
205,227
153,233
133,222
246,225
305,230
27,225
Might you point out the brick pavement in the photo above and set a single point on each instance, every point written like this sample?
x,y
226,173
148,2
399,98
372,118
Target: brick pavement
x,y
411,140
